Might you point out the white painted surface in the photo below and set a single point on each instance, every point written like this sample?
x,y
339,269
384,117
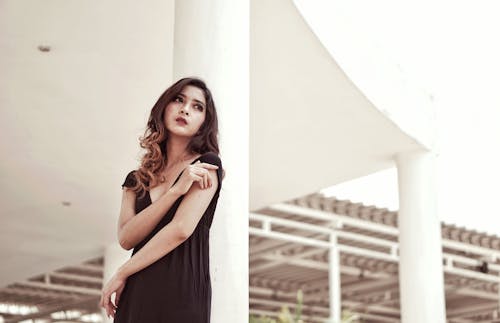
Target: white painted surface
x,y
421,274
458,64
334,279
70,121
347,37
311,126
211,41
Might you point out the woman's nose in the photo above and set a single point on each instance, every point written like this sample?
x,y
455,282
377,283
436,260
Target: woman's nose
x,y
185,108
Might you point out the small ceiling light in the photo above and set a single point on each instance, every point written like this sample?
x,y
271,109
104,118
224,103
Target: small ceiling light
x,y
44,48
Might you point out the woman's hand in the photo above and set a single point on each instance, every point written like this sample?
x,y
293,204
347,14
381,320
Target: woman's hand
x,y
115,284
197,172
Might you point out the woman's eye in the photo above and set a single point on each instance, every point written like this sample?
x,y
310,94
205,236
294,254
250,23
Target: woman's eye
x,y
200,107
178,99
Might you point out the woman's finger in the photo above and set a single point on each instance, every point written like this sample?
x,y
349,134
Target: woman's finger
x,y
204,181
197,178
118,295
107,301
104,300
207,165
105,305
110,309
205,178
208,179
205,175
201,173
204,166
108,305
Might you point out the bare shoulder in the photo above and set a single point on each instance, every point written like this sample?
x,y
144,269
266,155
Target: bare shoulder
x,y
211,158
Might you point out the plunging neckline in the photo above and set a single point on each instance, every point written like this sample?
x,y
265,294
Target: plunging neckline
x,y
178,176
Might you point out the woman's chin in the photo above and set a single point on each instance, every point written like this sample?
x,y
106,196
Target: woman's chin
x,y
181,133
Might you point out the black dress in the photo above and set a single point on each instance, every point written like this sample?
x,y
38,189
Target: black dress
x,y
176,288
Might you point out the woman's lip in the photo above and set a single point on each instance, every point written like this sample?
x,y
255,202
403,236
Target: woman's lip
x,y
181,121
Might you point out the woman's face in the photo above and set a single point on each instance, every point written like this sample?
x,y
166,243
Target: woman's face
x,y
189,104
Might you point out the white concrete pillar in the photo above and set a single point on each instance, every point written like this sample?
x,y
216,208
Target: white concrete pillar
x,y
421,280
211,40
114,257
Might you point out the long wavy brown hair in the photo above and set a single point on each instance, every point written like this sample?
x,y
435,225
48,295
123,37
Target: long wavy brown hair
x,y
156,135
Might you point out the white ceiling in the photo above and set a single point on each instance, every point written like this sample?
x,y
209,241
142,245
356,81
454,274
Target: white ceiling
x,y
310,126
70,121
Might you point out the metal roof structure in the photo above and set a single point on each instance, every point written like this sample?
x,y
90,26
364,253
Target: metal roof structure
x,y
289,250
69,294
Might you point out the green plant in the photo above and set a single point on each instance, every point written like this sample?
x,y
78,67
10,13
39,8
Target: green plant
x,y
284,316
261,319
350,317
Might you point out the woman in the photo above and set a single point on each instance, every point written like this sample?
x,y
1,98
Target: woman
x,y
166,219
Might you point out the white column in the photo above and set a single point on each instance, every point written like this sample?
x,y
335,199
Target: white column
x,y
211,40
421,279
114,257
334,281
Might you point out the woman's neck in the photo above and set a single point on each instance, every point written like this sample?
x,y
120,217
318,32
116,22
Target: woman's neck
x,y
177,152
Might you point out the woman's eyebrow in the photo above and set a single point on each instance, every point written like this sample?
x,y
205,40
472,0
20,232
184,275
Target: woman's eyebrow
x,y
183,95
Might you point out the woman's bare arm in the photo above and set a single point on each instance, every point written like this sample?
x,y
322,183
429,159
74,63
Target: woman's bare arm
x,y
185,220
133,228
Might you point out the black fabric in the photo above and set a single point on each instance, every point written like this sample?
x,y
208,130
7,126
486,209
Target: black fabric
x,y
129,180
176,288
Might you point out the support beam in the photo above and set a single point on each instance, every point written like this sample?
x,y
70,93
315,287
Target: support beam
x,y
61,288
420,267
298,260
212,41
334,281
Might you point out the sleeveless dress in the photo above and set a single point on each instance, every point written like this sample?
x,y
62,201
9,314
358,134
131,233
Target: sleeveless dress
x,y
176,288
